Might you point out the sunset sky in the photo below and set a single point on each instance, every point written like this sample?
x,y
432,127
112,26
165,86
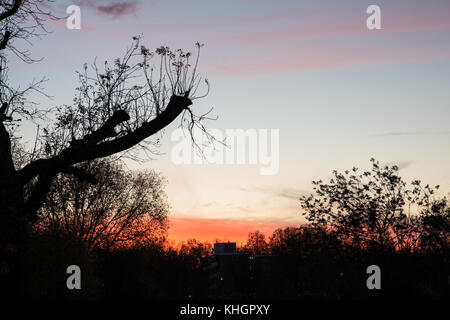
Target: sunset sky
x,y
338,93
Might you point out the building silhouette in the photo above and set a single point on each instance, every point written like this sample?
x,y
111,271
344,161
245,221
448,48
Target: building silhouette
x,y
232,274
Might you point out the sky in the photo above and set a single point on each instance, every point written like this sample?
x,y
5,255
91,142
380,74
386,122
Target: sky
x,y
337,92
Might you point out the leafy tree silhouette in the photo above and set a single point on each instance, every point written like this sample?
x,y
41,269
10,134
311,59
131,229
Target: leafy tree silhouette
x,y
370,209
434,226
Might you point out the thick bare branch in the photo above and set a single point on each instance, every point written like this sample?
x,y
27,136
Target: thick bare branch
x,y
85,150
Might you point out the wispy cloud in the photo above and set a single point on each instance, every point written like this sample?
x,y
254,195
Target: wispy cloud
x,y
299,61
279,28
114,10
410,133
401,165
280,192
118,9
393,134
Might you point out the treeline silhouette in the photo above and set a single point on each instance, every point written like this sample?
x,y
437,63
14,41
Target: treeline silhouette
x,y
116,232
304,262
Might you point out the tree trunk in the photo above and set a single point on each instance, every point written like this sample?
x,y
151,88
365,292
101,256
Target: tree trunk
x,y
13,237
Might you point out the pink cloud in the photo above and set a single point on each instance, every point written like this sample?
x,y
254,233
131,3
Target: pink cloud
x,y
286,35
261,20
335,59
283,44
404,24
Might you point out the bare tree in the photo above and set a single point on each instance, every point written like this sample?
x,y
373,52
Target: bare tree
x,y
196,250
121,209
116,109
256,243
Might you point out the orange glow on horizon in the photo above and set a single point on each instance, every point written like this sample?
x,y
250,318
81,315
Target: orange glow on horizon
x,y
183,229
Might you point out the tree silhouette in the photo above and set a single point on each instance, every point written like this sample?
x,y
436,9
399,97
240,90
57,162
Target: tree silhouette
x,y
116,109
256,243
435,227
196,250
370,209
305,240
122,209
